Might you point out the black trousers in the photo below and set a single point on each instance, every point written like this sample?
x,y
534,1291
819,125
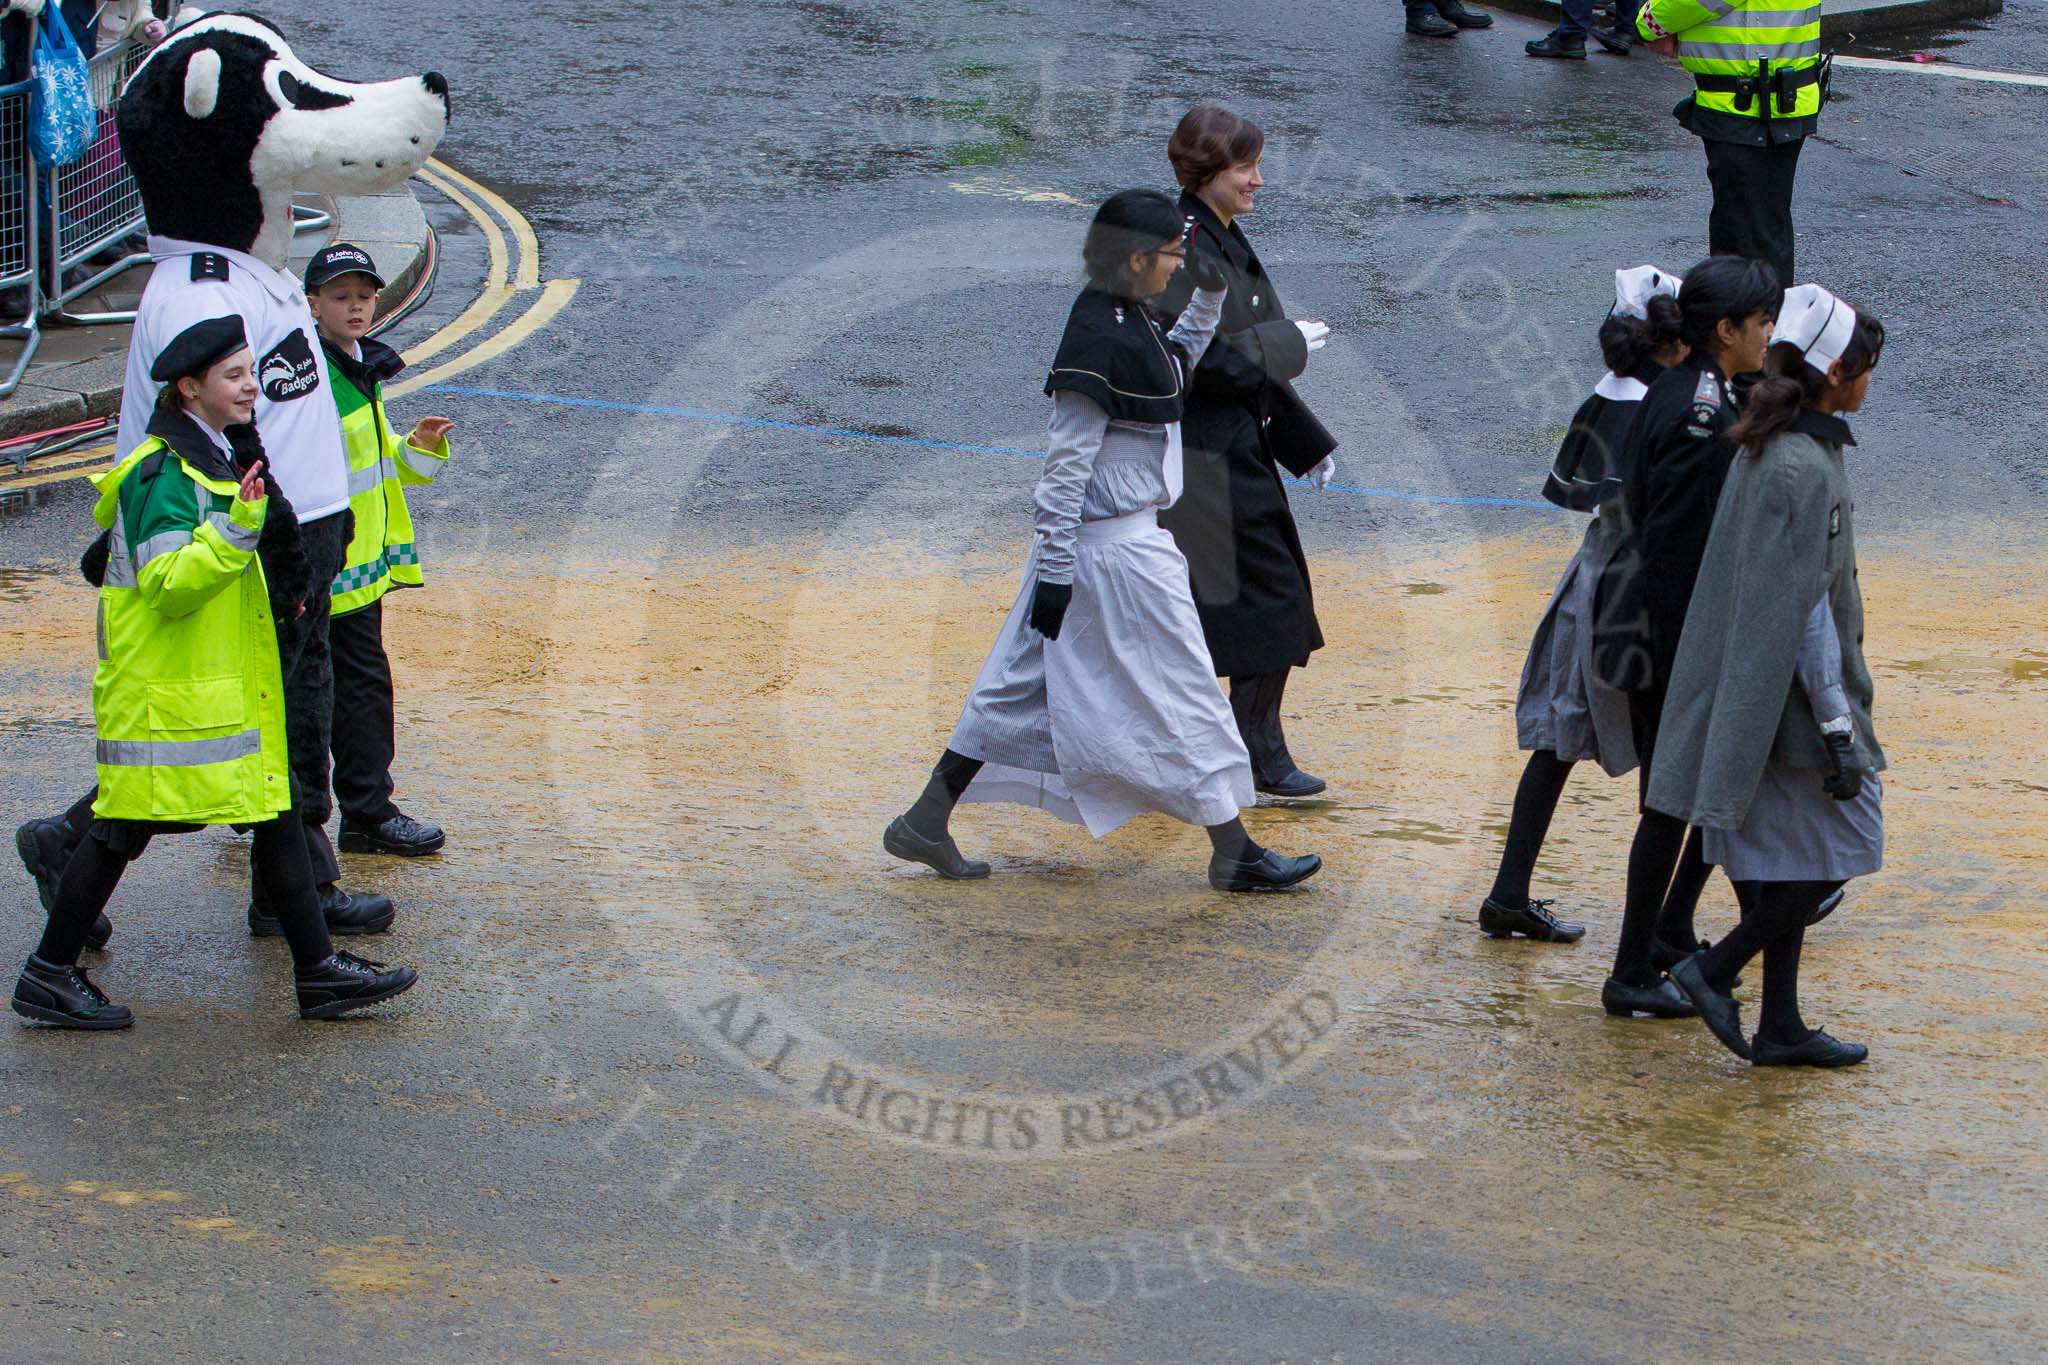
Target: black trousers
x,y
1752,213
308,666
1255,701
364,736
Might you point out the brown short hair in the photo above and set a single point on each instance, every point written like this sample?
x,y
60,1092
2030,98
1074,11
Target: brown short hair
x,y
1209,141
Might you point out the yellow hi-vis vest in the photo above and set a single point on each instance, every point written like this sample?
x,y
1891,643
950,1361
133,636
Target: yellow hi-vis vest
x,y
1756,59
188,699
383,552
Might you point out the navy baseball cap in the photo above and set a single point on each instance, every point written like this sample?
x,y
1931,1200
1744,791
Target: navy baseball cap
x,y
338,259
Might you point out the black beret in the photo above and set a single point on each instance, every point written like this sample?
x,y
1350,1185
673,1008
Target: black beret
x,y
194,350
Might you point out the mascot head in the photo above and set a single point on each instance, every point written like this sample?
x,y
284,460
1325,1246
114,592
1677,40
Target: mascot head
x,y
221,124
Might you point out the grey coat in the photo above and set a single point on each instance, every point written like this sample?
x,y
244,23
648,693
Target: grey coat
x,y
1783,539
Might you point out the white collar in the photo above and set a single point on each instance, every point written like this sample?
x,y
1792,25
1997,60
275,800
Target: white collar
x,y
219,440
1620,388
281,285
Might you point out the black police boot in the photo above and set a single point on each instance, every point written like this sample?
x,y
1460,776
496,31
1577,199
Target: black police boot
x,y
1570,46
1661,1001
941,855
401,834
66,997
364,912
1617,40
344,982
1269,871
45,847
1455,11
1424,19
1533,919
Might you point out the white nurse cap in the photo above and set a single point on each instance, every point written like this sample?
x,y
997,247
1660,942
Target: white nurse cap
x,y
1817,322
1634,288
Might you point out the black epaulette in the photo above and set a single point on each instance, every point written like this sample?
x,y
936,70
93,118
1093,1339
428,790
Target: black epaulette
x,y
147,470
209,265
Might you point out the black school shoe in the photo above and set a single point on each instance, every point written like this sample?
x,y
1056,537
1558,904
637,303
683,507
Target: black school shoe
x,y
941,855
1661,1001
1664,957
1617,40
1533,920
45,846
1818,1050
1718,1012
1269,871
344,982
401,835
65,997
345,912
1424,20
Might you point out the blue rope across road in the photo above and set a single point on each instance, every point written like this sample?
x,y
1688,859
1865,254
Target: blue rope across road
x,y
925,442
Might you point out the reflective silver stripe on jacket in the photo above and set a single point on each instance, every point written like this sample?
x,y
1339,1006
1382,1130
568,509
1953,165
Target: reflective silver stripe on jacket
x,y
179,753
362,480
120,567
162,543
233,532
421,462
1770,18
1749,52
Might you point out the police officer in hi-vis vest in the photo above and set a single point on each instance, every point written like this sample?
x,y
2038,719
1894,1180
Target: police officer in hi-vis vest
x,y
1760,81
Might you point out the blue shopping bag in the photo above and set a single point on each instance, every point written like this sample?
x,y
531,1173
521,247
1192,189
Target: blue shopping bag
x,y
61,119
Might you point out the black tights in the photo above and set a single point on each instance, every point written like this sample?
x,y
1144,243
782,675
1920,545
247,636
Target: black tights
x,y
929,814
1774,916
95,869
1536,798
1667,870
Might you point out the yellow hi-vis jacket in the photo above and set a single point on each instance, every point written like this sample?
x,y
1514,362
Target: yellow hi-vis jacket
x,y
383,552
1750,59
188,700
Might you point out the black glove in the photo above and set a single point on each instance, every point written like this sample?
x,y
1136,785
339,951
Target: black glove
x,y
246,445
1049,603
1205,271
1844,781
93,563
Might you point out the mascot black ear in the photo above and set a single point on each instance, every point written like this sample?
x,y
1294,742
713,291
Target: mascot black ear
x,y
202,83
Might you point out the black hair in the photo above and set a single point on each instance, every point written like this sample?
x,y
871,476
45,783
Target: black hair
x,y
1725,289
1129,221
1629,345
1790,385
167,399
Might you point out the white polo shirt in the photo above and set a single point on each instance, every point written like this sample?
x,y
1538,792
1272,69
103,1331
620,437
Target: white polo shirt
x,y
295,412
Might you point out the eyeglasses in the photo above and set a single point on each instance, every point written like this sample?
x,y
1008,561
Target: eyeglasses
x,y
1171,253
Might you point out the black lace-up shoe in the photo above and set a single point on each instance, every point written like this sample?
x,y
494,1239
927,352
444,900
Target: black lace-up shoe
x,y
1717,1011
346,913
345,982
1269,871
45,847
401,835
1818,1050
65,997
1571,47
1664,957
1533,920
1617,40
941,855
1661,1001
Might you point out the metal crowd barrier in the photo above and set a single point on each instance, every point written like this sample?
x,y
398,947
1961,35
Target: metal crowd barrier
x,y
20,274
93,203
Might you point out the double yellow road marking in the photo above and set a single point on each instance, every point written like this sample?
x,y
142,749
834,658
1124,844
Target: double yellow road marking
x,y
514,271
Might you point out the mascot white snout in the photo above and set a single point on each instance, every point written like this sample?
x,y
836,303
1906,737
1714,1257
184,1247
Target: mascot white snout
x,y
222,123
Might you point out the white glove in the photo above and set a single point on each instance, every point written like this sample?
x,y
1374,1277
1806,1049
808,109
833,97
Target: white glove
x,y
32,8
1321,475
1316,334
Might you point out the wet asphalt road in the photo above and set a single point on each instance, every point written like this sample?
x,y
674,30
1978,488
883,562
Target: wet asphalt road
x,y
675,669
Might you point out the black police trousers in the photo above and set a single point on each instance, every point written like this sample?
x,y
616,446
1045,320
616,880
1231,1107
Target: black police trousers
x,y
1752,213
308,667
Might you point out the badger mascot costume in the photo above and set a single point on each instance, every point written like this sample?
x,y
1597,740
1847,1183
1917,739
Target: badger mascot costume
x,y
221,125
